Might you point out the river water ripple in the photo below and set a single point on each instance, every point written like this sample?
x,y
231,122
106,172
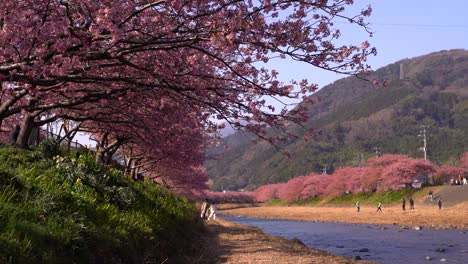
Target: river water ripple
x,y
380,243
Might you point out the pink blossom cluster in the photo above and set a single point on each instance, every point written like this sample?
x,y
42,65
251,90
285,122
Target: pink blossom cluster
x,y
380,174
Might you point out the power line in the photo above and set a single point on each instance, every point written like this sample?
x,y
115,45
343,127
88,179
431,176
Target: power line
x,y
417,25
377,151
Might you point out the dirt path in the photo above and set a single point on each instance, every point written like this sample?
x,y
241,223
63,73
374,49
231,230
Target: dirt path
x,y
450,195
228,242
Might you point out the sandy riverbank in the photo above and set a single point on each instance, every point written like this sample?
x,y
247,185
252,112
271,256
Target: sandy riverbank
x,y
427,216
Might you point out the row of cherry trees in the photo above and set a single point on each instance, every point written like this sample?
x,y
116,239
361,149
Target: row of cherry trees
x,y
380,174
148,79
387,172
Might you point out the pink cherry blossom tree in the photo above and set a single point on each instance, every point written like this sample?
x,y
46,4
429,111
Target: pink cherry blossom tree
x,y
402,173
292,189
268,192
381,174
148,78
203,53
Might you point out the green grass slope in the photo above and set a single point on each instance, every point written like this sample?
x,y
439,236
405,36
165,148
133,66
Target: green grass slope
x,y
71,210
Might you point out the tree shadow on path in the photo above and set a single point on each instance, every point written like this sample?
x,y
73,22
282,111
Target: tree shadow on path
x,y
227,242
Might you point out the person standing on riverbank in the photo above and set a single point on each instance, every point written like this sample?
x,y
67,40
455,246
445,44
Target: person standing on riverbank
x,y
411,203
358,206
204,209
440,203
403,204
379,207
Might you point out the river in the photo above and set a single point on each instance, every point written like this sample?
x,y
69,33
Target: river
x,y
386,244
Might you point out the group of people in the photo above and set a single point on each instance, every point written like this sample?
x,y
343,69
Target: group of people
x,y
403,203
358,207
459,180
208,210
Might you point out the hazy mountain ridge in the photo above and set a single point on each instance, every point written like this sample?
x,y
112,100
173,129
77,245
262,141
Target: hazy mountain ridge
x,y
356,116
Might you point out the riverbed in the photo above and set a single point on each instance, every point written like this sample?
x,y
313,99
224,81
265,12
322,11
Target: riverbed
x,y
380,243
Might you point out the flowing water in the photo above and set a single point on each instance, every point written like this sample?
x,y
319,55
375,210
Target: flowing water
x,y
379,243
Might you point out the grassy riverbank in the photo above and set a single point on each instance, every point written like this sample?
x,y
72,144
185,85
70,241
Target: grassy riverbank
x,y
387,197
70,209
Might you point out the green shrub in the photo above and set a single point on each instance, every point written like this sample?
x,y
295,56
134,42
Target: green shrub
x,y
47,149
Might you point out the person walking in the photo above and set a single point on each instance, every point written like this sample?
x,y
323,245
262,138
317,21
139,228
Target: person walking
x,y
431,195
358,207
403,204
411,203
440,203
379,207
204,209
211,212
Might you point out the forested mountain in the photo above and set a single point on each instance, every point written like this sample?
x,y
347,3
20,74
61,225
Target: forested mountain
x,y
355,117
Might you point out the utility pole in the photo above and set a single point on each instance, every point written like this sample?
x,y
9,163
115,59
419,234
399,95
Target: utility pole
x,y
361,162
324,171
422,134
377,151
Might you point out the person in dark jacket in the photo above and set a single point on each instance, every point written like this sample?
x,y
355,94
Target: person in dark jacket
x,y
411,203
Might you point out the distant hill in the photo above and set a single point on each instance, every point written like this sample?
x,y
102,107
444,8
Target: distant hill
x,y
355,117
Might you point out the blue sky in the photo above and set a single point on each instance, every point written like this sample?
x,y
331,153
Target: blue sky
x,y
403,29
416,27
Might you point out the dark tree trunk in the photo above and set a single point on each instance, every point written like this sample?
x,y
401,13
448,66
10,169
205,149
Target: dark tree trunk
x,y
26,129
109,156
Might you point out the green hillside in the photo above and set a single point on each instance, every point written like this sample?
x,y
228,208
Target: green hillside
x,y
355,117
